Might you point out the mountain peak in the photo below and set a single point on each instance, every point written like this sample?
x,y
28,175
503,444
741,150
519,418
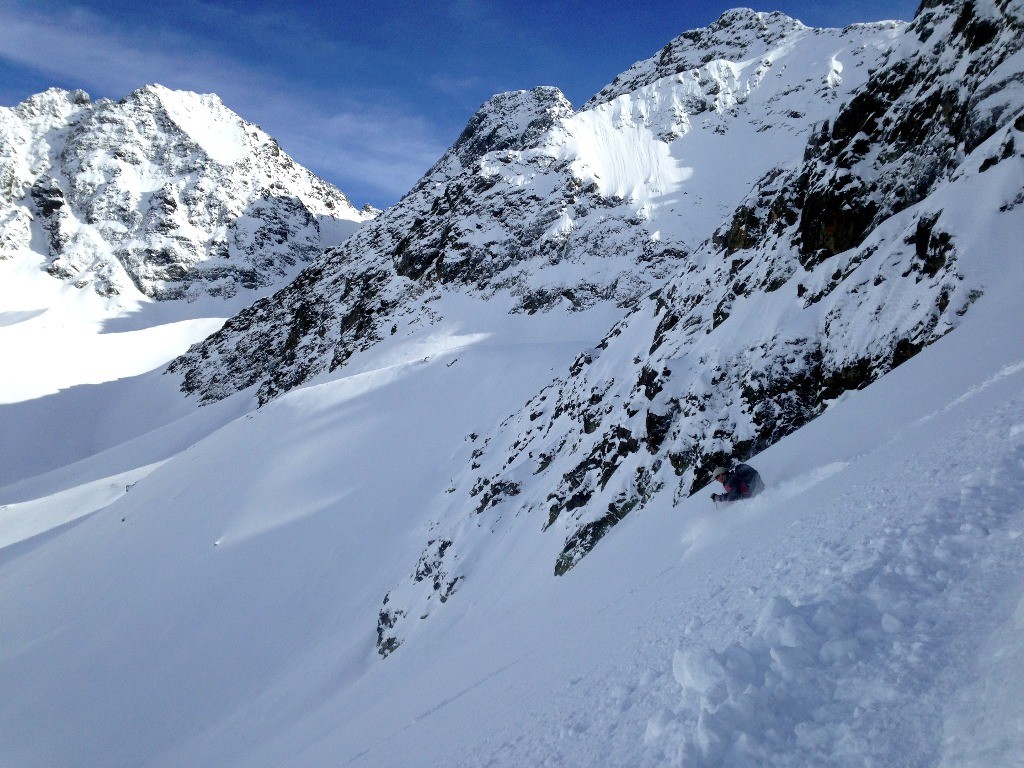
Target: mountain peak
x,y
512,120
155,95
165,192
745,17
737,35
52,104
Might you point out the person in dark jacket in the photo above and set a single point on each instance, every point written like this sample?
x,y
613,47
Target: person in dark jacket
x,y
740,482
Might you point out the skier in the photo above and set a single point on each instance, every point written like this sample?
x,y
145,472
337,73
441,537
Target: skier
x,y
741,482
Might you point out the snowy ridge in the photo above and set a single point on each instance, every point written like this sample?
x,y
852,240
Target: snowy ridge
x,y
738,35
543,208
762,327
165,193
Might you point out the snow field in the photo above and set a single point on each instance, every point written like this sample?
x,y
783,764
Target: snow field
x,y
81,371
272,515
21,521
207,121
861,606
869,595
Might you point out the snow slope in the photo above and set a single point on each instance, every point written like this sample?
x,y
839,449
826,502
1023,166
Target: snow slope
x,y
834,270
185,586
856,613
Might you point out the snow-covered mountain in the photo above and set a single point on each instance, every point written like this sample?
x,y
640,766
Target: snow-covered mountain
x,y
814,287
776,187
463,528
128,232
165,192
541,207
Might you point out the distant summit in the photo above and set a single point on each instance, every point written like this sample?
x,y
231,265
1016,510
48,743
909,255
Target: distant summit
x,y
737,35
166,192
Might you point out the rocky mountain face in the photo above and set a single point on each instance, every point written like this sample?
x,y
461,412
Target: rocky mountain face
x,y
166,192
776,210
548,207
841,263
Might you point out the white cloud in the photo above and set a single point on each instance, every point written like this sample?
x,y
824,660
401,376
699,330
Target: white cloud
x,y
77,46
383,149
455,86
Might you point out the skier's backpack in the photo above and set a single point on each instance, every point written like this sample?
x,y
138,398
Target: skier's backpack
x,y
750,482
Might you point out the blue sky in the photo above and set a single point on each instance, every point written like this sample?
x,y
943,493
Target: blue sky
x,y
365,94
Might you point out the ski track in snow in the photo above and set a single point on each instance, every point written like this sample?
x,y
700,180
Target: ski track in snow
x,y
701,530
851,675
1009,370
824,680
